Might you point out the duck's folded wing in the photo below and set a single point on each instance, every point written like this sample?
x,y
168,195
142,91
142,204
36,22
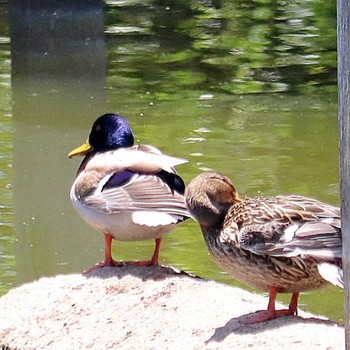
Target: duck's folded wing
x,y
139,193
320,239
291,227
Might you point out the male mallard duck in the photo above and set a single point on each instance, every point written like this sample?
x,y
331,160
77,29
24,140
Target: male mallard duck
x,y
129,192
282,244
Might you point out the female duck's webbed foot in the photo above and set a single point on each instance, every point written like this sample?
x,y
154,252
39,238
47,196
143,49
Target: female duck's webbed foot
x,y
271,313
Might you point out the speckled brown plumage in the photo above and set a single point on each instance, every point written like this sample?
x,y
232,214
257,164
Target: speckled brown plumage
x,y
276,244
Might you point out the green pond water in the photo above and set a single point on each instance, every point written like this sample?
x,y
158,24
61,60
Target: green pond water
x,y
247,88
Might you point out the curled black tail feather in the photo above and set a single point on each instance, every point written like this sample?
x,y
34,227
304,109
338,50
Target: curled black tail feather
x,y
174,181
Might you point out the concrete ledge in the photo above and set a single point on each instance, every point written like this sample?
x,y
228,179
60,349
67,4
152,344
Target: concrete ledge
x,y
149,308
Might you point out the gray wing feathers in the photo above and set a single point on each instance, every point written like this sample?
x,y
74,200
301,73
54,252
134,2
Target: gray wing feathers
x,y
141,193
295,226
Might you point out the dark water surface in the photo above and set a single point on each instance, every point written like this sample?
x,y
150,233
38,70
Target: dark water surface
x,y
244,87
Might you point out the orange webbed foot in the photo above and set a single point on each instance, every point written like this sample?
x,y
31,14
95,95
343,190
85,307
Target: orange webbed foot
x,y
271,313
266,315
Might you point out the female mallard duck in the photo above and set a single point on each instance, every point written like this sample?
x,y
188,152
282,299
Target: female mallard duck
x,y
282,244
129,192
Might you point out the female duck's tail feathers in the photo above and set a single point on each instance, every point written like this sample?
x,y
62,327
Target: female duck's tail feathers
x,y
332,273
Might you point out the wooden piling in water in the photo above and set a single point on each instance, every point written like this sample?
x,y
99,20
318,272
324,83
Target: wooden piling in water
x,y
343,27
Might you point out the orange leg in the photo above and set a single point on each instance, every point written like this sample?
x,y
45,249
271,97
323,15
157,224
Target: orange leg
x,y
108,251
293,305
108,256
155,256
110,262
152,262
271,312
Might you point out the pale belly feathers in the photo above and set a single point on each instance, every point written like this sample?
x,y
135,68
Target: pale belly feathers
x,y
127,225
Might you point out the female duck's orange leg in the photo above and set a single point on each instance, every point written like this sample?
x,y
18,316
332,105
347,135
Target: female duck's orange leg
x,y
292,308
271,312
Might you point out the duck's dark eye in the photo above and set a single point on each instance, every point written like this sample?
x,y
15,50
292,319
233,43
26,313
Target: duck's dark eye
x,y
98,127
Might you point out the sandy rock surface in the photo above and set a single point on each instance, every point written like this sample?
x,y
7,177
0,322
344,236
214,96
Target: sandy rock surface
x,y
149,308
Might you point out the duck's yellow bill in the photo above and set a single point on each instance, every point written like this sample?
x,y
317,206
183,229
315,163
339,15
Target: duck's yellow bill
x,y
81,151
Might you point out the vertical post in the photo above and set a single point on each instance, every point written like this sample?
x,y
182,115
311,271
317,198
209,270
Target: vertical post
x,y
343,27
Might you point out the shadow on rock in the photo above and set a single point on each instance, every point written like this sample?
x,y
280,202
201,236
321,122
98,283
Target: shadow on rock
x,y
238,325
155,273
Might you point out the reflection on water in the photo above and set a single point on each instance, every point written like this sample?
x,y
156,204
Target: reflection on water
x,y
198,79
58,73
7,258
223,46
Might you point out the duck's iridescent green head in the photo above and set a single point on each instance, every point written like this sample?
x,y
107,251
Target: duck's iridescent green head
x,y
110,131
